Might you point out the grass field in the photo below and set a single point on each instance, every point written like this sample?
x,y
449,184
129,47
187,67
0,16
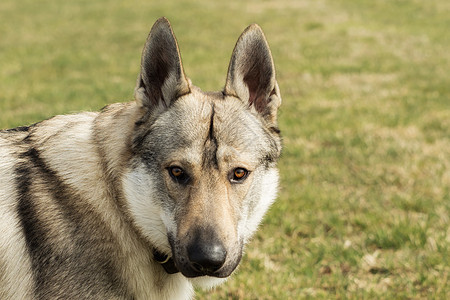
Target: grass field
x,y
364,207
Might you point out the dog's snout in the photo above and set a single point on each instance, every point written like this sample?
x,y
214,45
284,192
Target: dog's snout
x,y
207,257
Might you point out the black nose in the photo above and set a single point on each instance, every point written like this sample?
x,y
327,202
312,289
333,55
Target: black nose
x,y
207,257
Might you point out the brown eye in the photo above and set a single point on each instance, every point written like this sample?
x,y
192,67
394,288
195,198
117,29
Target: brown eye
x,y
177,172
178,175
239,174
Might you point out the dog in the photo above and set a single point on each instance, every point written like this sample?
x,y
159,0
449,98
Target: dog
x,y
147,199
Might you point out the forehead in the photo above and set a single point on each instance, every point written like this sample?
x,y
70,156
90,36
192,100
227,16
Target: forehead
x,y
209,124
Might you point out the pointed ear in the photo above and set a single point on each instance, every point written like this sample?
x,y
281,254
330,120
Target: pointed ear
x,y
162,78
251,74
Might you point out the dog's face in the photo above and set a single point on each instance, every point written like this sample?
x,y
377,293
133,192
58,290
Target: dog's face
x,y
203,169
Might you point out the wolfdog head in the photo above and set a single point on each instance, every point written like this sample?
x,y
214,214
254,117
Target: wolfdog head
x,y
203,171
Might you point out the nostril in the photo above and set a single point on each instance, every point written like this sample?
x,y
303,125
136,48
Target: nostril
x,y
207,257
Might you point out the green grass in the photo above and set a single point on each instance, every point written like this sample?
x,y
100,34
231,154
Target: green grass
x,y
364,207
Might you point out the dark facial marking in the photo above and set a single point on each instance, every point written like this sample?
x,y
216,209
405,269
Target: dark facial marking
x,y
210,151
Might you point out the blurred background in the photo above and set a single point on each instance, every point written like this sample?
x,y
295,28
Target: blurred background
x,y
364,205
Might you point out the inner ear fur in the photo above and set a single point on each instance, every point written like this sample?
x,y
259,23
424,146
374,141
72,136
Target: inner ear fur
x,y
251,73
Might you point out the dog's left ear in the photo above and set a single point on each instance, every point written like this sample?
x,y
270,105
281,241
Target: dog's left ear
x,y
162,78
251,74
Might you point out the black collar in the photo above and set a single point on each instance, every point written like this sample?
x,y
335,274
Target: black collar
x,y
165,261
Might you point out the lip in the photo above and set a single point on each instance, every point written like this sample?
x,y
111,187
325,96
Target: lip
x,y
191,273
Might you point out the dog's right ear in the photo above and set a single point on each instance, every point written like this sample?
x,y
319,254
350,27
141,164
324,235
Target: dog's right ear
x,y
162,78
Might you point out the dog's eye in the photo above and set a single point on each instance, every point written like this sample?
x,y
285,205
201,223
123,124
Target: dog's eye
x,y
178,175
239,174
176,172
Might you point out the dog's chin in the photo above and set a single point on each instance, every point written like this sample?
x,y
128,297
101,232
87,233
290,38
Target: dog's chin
x,y
207,282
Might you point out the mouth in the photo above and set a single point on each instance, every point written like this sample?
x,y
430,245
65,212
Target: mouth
x,y
196,271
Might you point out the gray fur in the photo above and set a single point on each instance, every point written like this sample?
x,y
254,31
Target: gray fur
x,y
86,200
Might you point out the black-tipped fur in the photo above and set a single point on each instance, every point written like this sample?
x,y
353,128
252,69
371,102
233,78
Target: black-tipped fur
x,y
52,264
